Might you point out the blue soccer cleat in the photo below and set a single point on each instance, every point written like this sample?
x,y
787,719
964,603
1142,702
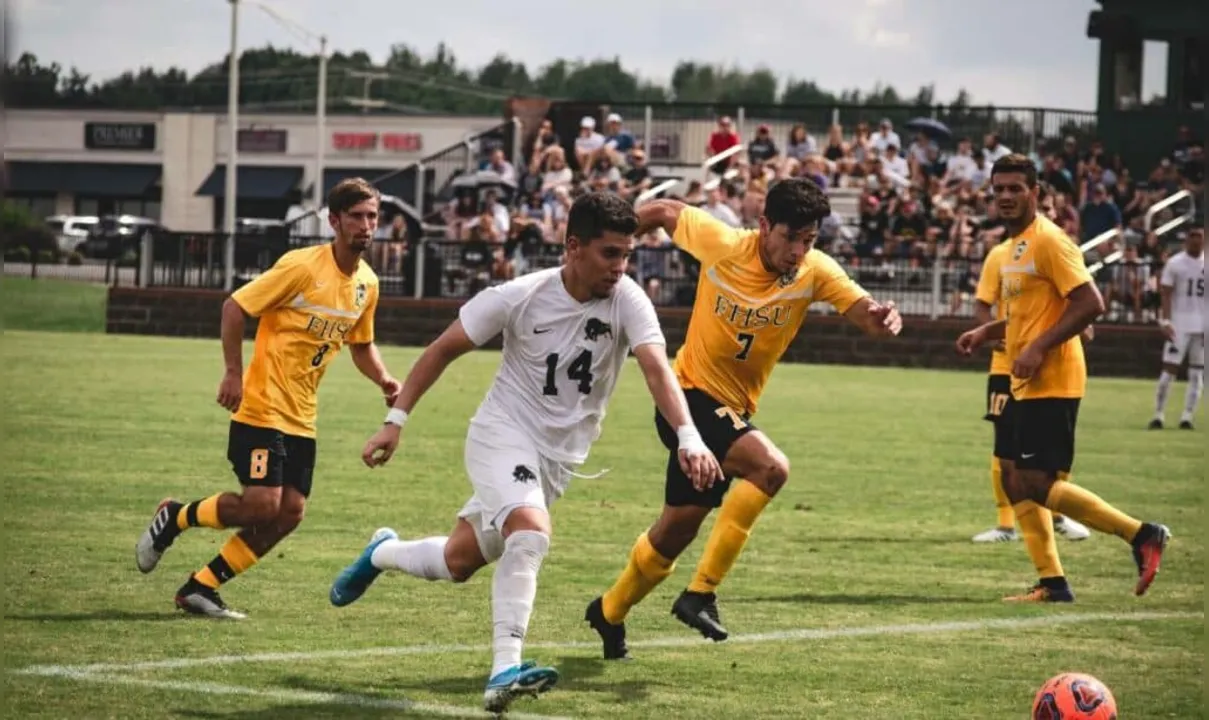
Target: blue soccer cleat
x,y
354,580
524,679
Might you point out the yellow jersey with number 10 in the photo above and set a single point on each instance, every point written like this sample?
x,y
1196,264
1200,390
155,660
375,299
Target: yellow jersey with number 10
x,y
745,317
988,292
308,310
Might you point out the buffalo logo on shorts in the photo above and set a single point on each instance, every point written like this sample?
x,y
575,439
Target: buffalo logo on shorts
x,y
596,328
522,474
1172,349
1018,251
359,299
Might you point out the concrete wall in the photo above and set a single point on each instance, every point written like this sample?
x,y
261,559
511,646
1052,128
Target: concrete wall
x,y
1117,350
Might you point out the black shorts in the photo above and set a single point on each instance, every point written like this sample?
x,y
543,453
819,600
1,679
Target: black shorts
x,y
270,458
1043,433
999,391
720,427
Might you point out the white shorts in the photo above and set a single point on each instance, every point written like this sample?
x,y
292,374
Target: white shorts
x,y
506,472
1191,345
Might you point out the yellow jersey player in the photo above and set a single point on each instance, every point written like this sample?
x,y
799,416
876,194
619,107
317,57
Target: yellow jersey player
x,y
999,388
753,292
1049,298
310,303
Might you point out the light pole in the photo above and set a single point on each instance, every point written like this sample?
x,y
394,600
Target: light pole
x,y
321,124
229,194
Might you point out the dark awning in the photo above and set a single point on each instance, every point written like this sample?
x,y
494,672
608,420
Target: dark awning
x,y
258,182
402,184
80,178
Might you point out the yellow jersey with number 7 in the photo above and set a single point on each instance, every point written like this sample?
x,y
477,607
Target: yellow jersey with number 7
x,y
308,309
745,317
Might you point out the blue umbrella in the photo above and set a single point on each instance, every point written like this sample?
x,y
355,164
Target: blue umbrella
x,y
934,129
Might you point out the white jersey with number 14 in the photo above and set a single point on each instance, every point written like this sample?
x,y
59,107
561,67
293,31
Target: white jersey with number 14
x,y
561,357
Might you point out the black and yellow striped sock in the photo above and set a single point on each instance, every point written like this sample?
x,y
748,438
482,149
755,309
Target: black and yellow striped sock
x,y
234,558
200,513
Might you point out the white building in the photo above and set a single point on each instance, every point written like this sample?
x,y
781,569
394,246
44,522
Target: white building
x,y
171,166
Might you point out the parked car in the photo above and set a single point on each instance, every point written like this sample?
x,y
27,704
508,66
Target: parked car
x,y
116,236
71,230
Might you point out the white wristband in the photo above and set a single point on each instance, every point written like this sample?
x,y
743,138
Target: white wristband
x,y
690,438
396,416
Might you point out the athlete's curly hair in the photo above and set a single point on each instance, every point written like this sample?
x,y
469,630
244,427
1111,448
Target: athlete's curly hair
x,y
595,213
796,203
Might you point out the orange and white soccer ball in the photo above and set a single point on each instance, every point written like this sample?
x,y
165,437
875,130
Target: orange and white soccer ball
x,y
1074,696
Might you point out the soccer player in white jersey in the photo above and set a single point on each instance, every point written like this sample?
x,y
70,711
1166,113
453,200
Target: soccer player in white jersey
x,y
567,331
1182,320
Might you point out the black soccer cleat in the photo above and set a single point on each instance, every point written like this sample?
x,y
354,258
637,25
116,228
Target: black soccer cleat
x,y
612,637
197,599
700,612
1186,425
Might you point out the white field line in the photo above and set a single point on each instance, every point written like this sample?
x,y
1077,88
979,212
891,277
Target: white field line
x,y
290,696
805,634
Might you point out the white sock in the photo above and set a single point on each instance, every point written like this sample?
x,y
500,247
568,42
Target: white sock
x,y
1160,395
1192,396
420,558
513,589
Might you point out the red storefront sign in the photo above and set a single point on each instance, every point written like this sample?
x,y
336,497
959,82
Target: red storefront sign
x,y
392,142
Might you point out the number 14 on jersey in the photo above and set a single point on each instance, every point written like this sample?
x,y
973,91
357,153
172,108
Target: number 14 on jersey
x,y
580,371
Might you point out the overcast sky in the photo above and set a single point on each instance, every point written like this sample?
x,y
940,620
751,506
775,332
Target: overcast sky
x,y
1022,53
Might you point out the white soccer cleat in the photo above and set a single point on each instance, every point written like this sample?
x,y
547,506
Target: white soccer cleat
x,y
197,599
1071,529
997,535
158,536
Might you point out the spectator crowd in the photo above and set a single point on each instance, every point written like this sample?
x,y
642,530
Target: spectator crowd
x,y
913,205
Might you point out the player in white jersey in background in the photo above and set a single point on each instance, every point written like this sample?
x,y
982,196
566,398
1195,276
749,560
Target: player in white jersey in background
x,y
567,331
1182,320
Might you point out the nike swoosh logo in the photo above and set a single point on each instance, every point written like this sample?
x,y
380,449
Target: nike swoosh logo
x,y
539,331
1026,456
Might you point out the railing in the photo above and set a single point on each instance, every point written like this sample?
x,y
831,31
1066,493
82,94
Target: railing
x,y
435,267
1166,203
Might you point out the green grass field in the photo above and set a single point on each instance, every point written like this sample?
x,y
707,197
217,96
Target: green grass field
x,y
47,304
859,594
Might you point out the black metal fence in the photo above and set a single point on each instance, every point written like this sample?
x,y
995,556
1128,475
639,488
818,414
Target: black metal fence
x,y
440,268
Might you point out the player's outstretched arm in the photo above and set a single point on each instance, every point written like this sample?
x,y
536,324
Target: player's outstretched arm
x,y
695,458
971,340
875,318
230,388
451,345
659,214
369,362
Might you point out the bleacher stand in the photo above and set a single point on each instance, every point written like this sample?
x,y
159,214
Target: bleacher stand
x,y
898,210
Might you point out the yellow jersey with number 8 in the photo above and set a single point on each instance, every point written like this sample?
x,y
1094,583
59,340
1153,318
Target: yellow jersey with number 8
x,y
308,310
745,317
